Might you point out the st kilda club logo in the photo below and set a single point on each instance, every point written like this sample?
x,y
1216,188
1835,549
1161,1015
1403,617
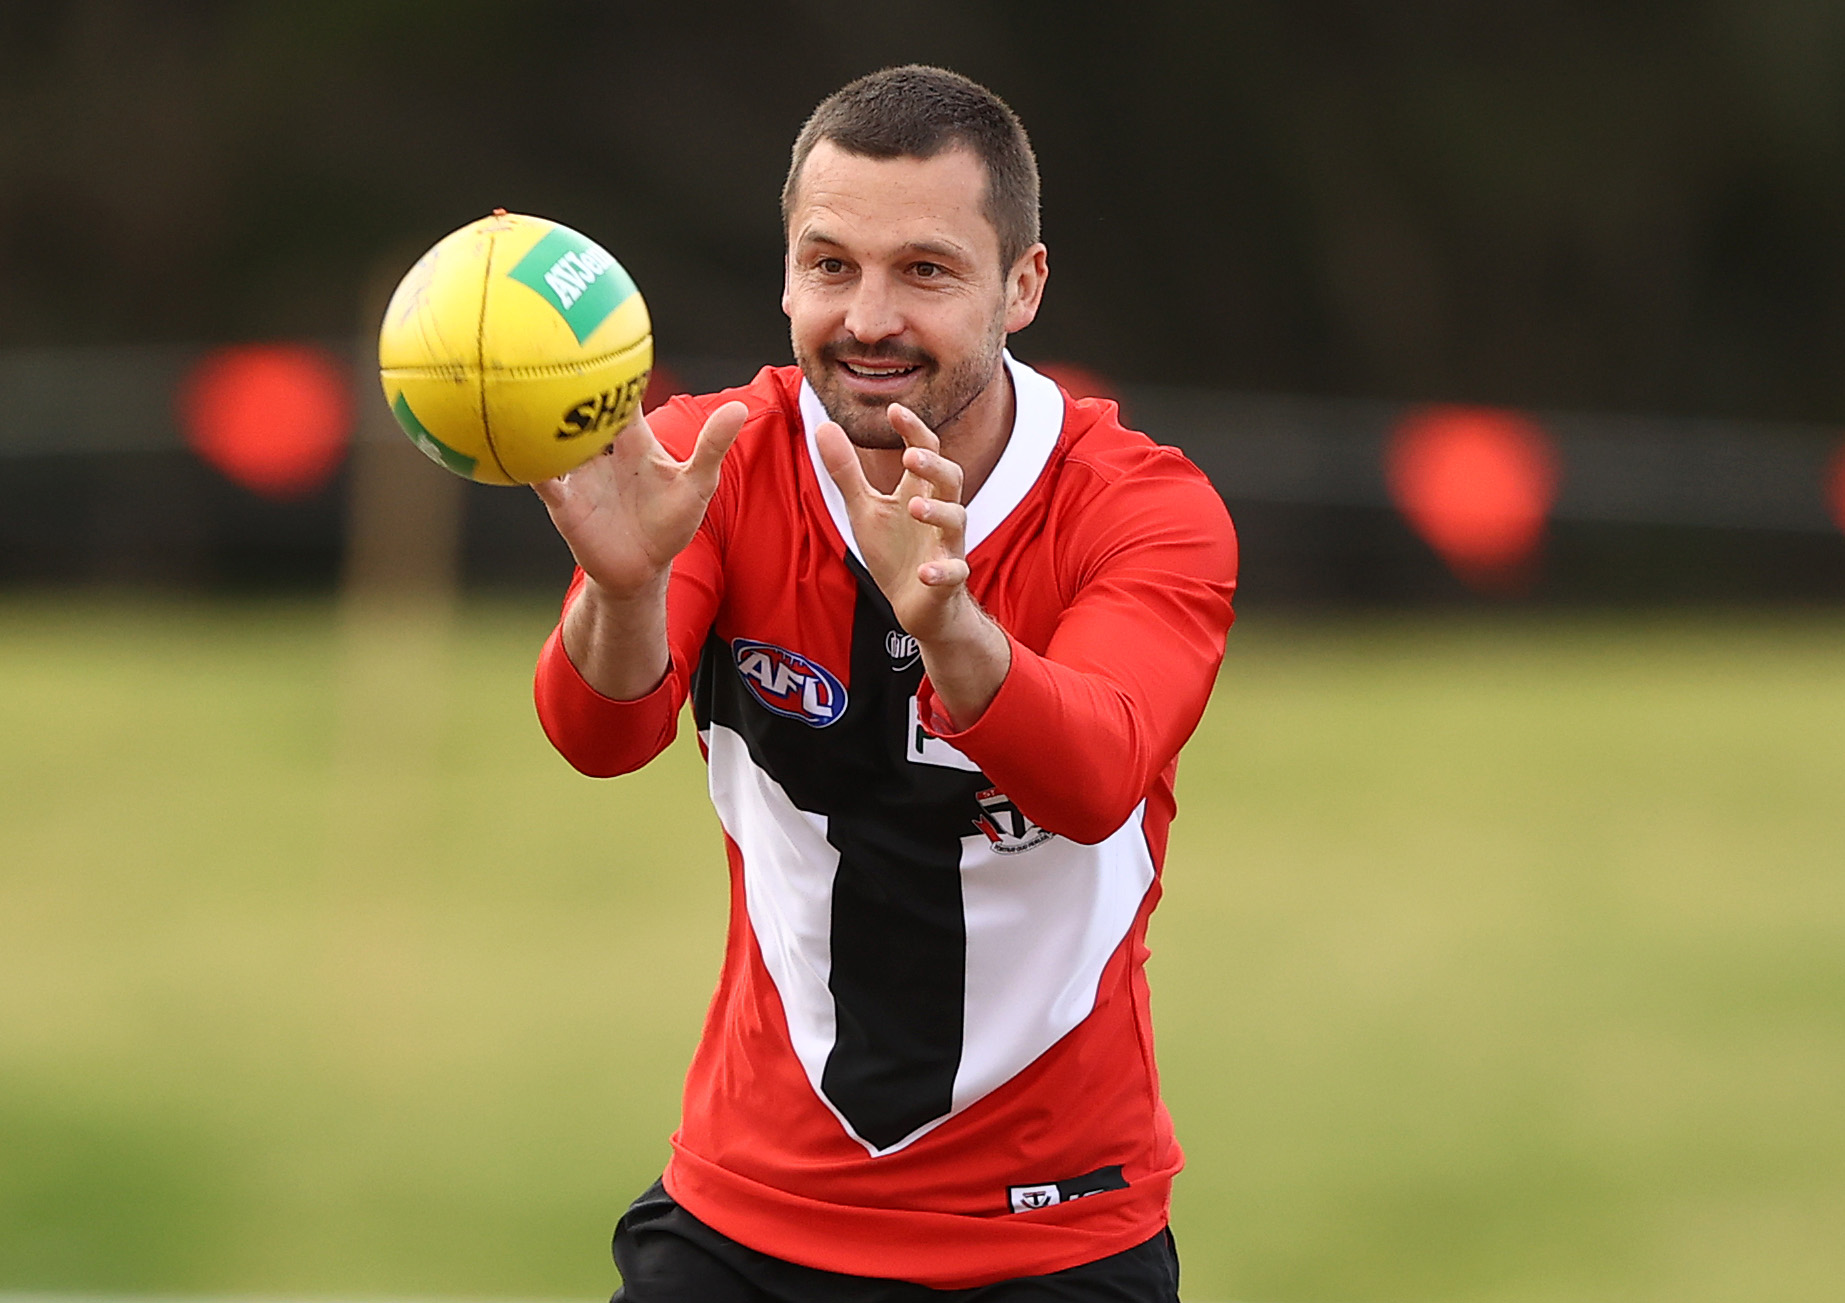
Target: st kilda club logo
x,y
788,683
1007,829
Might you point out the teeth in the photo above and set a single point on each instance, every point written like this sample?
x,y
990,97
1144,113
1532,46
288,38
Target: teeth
x,y
873,373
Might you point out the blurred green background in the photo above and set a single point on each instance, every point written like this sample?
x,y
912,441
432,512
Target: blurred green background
x,y
1501,959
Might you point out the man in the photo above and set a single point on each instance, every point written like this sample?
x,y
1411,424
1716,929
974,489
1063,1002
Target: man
x,y
945,630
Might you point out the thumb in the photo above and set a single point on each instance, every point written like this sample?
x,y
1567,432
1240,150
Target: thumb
x,y
715,438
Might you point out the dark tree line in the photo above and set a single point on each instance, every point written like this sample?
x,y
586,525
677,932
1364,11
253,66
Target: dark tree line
x,y
1558,202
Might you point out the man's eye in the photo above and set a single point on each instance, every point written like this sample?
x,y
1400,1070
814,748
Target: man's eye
x,y
830,266
928,269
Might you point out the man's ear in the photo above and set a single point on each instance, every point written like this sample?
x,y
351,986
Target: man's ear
x,y
787,271
1025,287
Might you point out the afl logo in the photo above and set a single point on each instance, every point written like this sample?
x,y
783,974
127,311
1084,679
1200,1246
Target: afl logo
x,y
788,683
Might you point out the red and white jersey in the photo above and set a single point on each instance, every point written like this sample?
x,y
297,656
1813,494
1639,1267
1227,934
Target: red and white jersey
x,y
929,1056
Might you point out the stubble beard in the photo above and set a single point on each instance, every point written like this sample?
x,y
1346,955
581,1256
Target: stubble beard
x,y
943,397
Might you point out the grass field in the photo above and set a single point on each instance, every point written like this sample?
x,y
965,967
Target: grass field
x,y
1501,960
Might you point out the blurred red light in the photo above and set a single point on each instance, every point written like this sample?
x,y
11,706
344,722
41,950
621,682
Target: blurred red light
x,y
1079,381
274,418
1477,484
1835,486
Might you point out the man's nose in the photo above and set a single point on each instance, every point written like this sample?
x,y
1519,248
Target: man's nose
x,y
873,315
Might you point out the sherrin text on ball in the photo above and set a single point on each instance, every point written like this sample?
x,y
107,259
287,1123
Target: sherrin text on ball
x,y
515,350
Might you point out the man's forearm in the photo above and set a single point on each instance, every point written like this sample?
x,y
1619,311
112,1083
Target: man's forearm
x,y
967,661
618,643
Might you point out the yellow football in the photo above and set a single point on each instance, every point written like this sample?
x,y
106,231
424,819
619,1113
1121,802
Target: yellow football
x,y
515,350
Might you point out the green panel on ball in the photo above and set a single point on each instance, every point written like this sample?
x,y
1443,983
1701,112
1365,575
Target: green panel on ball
x,y
576,276
432,447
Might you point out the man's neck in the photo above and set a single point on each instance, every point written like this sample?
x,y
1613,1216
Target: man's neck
x,y
975,439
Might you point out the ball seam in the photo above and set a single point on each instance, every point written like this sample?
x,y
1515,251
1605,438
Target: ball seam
x,y
480,357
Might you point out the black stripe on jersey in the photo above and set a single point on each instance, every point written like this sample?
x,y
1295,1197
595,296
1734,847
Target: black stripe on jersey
x,y
1103,1178
899,937
899,955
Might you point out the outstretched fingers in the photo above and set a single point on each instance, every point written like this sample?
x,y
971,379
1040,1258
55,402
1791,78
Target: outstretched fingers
x,y
946,573
949,520
940,476
947,516
555,493
911,429
923,457
573,488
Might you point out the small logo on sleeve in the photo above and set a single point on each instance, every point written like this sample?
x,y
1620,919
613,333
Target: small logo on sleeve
x,y
903,649
788,683
1024,1198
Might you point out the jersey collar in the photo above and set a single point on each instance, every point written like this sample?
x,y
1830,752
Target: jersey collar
x,y
1037,421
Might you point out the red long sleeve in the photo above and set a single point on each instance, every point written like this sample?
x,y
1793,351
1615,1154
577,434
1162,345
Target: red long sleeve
x,y
603,737
1084,726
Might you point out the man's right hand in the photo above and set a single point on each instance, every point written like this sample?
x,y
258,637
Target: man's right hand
x,y
626,514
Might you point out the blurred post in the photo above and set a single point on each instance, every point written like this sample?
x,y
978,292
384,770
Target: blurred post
x,y
397,609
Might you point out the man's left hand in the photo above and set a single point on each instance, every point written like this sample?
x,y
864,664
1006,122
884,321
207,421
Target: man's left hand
x,y
914,544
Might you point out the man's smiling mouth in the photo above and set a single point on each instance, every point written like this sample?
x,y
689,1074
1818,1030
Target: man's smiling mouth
x,y
875,371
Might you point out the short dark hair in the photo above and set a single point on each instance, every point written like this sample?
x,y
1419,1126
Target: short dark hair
x,y
918,112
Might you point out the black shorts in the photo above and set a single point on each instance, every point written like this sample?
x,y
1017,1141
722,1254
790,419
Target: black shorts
x,y
666,1255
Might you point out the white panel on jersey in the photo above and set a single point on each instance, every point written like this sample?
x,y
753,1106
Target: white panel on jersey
x,y
788,870
1041,925
1036,423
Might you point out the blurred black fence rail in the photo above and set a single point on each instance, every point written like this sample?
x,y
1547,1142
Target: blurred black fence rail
x,y
98,486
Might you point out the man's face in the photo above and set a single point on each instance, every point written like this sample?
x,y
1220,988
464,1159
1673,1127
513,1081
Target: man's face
x,y
893,288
